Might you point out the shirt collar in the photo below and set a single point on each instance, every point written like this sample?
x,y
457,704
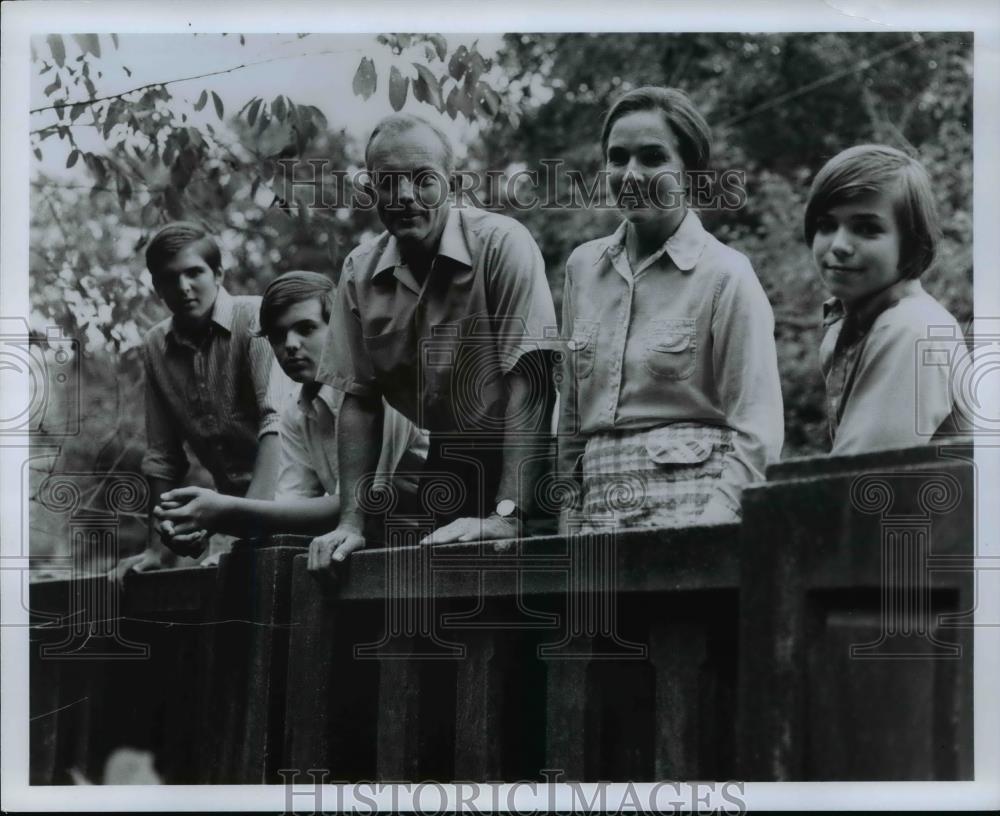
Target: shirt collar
x,y
222,315
452,245
684,247
867,310
310,396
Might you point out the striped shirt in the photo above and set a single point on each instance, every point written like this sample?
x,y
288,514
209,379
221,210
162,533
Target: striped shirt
x,y
215,393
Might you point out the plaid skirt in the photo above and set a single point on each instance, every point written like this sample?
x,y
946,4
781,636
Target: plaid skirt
x,y
668,476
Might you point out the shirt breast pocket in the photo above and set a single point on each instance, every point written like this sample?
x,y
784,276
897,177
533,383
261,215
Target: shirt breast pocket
x,y
583,347
671,349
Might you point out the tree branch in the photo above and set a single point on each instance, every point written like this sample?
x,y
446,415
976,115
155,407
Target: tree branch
x,y
123,94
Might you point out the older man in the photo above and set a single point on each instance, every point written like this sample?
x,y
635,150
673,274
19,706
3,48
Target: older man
x,y
446,315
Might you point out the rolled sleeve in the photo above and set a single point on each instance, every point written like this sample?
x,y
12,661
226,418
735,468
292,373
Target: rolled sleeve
x,y
164,457
345,364
746,363
296,476
520,298
269,384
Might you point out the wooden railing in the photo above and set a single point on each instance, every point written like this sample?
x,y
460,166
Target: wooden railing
x,y
828,636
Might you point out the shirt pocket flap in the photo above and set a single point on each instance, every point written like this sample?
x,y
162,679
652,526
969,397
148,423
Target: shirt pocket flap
x,y
583,334
671,343
678,452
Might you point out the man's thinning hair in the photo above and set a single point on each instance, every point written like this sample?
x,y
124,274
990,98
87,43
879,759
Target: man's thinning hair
x,y
292,288
175,238
397,123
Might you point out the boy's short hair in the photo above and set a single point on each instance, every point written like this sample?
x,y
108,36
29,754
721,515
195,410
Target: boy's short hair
x,y
402,122
694,136
175,238
291,288
871,168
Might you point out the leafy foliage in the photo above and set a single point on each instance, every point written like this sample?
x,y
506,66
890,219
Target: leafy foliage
x,y
780,105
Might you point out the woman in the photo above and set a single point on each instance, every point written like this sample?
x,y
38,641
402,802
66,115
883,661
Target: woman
x,y
670,394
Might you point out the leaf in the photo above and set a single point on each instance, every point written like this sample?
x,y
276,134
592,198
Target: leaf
x,y
182,169
96,167
126,70
440,45
114,39
172,200
463,102
89,43
124,191
365,79
38,153
202,101
148,214
74,154
278,109
487,99
265,120
58,49
254,187
114,112
218,104
457,63
77,111
54,86
398,87
169,151
319,116
476,64
426,88
252,113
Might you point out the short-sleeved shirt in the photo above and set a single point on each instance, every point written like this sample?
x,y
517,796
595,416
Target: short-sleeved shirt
x,y
309,446
437,351
688,336
888,365
220,395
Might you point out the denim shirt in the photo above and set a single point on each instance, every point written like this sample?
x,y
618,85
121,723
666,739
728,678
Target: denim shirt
x,y
686,337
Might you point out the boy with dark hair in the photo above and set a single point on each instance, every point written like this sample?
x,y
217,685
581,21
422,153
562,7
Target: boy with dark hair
x,y
873,228
294,316
208,383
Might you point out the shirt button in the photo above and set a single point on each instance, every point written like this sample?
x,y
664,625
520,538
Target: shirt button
x,y
571,345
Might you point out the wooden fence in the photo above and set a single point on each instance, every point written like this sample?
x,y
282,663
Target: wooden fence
x,y
827,637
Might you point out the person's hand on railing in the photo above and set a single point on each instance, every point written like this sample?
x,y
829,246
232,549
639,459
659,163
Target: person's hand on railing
x,y
473,529
149,560
332,548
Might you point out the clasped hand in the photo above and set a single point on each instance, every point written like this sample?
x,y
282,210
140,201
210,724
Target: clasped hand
x,y
184,517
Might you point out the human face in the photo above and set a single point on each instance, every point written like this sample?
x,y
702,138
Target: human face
x,y
298,337
188,286
409,177
645,171
856,247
